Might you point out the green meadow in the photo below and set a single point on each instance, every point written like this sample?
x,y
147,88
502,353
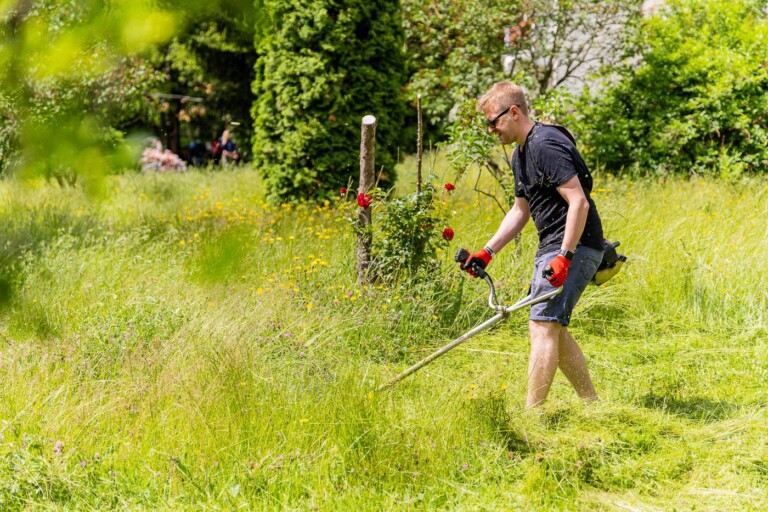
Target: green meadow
x,y
177,343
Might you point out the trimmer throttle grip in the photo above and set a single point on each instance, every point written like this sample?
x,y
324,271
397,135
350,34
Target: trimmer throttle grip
x,y
461,256
477,265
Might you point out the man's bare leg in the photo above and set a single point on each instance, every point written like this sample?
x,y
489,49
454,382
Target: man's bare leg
x,y
543,361
574,366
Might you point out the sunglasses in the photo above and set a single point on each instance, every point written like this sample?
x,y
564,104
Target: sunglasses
x,y
492,123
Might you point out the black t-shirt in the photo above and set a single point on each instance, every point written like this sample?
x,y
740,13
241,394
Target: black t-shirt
x,y
548,159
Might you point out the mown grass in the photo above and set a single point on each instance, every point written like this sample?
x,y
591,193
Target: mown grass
x,y
179,344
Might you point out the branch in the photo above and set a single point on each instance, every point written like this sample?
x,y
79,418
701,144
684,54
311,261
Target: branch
x,y
492,196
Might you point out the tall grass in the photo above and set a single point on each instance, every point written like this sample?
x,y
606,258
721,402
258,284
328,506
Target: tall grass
x,y
180,344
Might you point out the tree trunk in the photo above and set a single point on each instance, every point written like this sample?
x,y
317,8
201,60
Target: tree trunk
x,y
174,127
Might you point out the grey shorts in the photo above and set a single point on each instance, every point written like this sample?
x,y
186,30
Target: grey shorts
x,y
559,308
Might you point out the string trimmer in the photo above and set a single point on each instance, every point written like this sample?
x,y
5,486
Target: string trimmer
x,y
502,312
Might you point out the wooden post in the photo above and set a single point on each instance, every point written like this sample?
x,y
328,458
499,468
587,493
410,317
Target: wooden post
x,y
418,144
367,162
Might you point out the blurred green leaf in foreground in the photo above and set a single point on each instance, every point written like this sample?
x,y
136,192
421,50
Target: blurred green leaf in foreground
x,y
71,71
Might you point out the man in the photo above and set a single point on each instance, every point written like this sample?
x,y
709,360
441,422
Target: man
x,y
552,185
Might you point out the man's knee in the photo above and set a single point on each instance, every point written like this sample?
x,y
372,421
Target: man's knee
x,y
543,333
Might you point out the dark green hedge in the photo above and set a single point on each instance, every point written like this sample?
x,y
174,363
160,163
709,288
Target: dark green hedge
x,y
323,65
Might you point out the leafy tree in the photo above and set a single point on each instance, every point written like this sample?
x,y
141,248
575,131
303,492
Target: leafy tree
x,y
697,101
208,70
454,52
562,43
458,49
325,65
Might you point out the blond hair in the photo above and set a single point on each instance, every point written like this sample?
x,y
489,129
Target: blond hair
x,y
503,95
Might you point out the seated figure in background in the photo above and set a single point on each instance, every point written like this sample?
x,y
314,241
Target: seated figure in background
x,y
225,149
155,158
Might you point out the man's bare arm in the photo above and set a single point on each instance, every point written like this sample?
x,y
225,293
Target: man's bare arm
x,y
578,207
512,225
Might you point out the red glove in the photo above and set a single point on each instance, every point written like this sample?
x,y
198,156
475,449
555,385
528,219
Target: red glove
x,y
482,257
557,270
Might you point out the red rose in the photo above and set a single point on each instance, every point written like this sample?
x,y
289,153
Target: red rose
x,y
449,187
363,200
448,234
343,191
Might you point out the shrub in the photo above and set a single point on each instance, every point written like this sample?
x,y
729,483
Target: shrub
x,y
407,232
71,74
469,144
321,69
697,101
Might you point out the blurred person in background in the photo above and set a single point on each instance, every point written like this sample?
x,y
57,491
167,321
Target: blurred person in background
x,y
225,149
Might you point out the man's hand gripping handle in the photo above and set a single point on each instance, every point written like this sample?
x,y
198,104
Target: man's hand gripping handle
x,y
471,263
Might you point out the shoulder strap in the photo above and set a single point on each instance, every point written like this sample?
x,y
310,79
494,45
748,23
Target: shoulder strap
x,y
564,131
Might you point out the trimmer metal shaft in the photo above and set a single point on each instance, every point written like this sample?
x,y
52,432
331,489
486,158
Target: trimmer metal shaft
x,y
502,312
